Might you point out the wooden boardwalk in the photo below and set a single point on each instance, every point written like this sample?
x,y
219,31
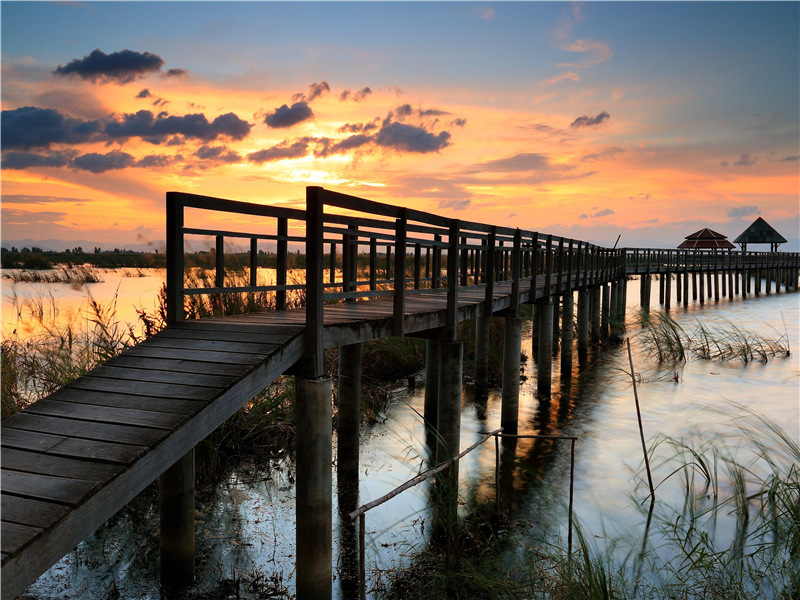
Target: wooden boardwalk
x,y
73,459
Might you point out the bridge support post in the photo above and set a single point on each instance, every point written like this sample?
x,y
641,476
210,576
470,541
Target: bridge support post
x,y
509,414
535,332
545,365
606,314
678,294
702,293
347,451
556,323
176,500
661,284
349,399
595,313
432,358
567,335
314,488
583,327
482,353
614,308
449,441
667,290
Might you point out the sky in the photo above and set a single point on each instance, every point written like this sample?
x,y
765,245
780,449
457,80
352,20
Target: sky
x,y
644,120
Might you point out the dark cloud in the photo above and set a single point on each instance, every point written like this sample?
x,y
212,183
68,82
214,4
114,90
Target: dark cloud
x,y
122,67
217,153
603,213
360,127
145,93
296,149
315,90
357,96
289,116
32,127
157,128
411,138
157,161
745,160
585,121
26,160
327,147
175,73
744,211
458,122
100,163
455,204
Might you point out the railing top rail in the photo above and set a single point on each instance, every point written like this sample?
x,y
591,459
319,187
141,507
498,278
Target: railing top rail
x,y
236,206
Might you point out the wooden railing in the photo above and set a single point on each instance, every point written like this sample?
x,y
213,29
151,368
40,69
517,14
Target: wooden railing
x,y
642,261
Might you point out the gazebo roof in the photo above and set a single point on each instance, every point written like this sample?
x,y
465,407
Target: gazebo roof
x,y
760,232
706,238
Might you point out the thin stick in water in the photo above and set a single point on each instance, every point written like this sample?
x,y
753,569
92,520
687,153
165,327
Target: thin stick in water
x,y
639,417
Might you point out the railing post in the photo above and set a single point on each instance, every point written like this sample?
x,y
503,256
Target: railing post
x,y
373,264
281,266
452,280
399,276
253,261
313,364
219,263
417,265
516,268
174,281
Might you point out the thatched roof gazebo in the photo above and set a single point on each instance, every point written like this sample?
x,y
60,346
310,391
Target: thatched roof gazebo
x,y
706,239
760,232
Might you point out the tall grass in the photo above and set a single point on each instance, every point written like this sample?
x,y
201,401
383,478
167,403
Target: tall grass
x,y
664,340
58,351
725,524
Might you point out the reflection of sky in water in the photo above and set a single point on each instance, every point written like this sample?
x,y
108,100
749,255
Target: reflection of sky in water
x,y
247,524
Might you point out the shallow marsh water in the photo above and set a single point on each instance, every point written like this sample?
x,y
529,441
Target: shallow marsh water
x,y
246,524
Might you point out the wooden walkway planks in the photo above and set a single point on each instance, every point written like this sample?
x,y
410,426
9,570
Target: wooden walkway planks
x,y
71,460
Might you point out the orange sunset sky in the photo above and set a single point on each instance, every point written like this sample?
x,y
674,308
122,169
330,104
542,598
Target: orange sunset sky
x,y
592,120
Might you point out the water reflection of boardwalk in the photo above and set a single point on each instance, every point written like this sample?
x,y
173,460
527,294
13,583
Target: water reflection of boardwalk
x,y
70,461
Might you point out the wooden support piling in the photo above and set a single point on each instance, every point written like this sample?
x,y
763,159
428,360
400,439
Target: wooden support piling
x,y
177,539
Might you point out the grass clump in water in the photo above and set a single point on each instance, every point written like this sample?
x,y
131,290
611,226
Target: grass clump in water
x,y
664,340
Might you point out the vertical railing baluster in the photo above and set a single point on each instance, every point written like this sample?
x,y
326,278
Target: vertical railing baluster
x,y
282,267
219,263
399,276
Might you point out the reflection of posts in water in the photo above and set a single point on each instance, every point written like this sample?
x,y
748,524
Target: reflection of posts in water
x,y
348,428
176,497
448,444
509,414
544,371
506,491
482,354
567,334
431,383
583,328
313,487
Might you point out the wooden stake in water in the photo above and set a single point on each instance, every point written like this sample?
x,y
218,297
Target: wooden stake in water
x,y
639,417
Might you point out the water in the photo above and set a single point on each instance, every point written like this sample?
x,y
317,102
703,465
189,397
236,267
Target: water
x,y
246,524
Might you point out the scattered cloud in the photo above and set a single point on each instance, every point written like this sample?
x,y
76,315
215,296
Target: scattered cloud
x,y
745,160
411,138
455,204
297,149
26,160
567,76
585,121
604,154
145,93
289,116
121,67
595,53
100,163
315,90
603,213
526,161
744,211
217,154
157,128
175,73
356,96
